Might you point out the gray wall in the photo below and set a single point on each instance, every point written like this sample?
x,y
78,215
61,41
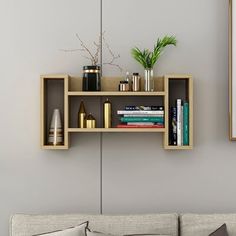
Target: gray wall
x,y
138,175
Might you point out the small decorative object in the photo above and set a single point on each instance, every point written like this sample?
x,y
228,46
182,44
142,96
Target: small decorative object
x,y
124,85
136,82
127,78
149,58
82,116
55,132
107,114
91,78
90,122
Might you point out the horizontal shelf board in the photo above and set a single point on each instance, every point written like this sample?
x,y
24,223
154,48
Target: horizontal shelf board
x,y
59,147
169,147
116,130
115,93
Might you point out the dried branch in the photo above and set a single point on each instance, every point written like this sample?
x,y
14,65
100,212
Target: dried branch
x,y
113,56
86,49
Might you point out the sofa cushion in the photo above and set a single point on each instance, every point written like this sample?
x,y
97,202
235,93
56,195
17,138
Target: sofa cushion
x,y
94,233
222,231
28,225
203,225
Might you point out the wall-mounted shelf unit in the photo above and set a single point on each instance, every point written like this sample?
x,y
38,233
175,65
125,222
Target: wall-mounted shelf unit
x,y
65,93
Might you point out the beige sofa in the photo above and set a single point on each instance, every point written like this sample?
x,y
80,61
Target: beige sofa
x,y
162,224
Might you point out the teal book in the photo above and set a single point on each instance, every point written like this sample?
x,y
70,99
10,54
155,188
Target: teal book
x,y
143,119
186,123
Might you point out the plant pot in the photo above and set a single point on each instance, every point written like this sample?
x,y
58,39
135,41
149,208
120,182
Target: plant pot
x,y
91,78
148,80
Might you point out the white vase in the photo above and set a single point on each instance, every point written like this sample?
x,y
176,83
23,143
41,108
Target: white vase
x,y
55,136
148,80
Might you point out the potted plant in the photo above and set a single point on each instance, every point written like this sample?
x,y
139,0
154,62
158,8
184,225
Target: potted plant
x,y
149,58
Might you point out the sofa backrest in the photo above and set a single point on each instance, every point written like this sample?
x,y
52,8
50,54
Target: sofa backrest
x,y
27,225
203,225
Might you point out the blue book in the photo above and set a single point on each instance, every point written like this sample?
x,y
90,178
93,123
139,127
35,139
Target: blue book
x,y
186,123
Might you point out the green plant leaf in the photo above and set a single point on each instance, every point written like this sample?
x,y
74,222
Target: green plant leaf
x,y
147,58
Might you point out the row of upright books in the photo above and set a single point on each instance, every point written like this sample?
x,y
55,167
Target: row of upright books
x,y
179,123
141,117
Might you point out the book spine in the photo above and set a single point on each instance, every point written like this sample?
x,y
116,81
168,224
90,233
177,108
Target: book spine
x,y
148,108
142,119
139,126
140,123
173,126
186,124
182,124
179,130
141,115
123,112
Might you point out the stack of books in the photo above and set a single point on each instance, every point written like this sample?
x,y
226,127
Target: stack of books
x,y
179,124
141,117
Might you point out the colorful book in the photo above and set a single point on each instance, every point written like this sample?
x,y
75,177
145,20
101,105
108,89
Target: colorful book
x,y
139,126
142,119
173,126
138,115
179,123
141,123
146,108
124,112
186,123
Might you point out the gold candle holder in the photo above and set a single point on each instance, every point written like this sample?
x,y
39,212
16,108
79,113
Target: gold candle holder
x,y
107,114
82,116
90,122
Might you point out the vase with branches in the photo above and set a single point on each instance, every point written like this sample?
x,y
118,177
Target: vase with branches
x,y
91,73
148,58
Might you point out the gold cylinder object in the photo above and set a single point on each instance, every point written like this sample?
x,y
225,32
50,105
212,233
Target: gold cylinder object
x,y
90,122
82,116
107,114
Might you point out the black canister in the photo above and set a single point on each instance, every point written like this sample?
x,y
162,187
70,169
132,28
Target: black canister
x,y
91,78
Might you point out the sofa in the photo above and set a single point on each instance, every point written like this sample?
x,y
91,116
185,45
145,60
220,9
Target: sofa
x,y
158,224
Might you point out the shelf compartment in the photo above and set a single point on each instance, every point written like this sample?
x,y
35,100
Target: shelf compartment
x,y
178,87
112,83
116,130
94,106
53,96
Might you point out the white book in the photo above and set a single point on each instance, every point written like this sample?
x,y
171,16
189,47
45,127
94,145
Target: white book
x,y
140,123
124,112
179,123
140,115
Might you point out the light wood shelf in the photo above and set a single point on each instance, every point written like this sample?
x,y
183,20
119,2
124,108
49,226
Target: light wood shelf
x,y
72,93
115,93
187,147
117,130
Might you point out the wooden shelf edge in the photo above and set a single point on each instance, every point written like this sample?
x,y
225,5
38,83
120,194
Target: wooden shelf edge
x,y
115,93
169,147
117,130
51,147
178,76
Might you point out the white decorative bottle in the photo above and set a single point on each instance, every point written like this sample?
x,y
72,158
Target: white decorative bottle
x,y
55,132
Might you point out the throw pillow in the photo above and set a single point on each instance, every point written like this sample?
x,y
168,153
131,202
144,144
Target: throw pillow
x,y
222,231
79,230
